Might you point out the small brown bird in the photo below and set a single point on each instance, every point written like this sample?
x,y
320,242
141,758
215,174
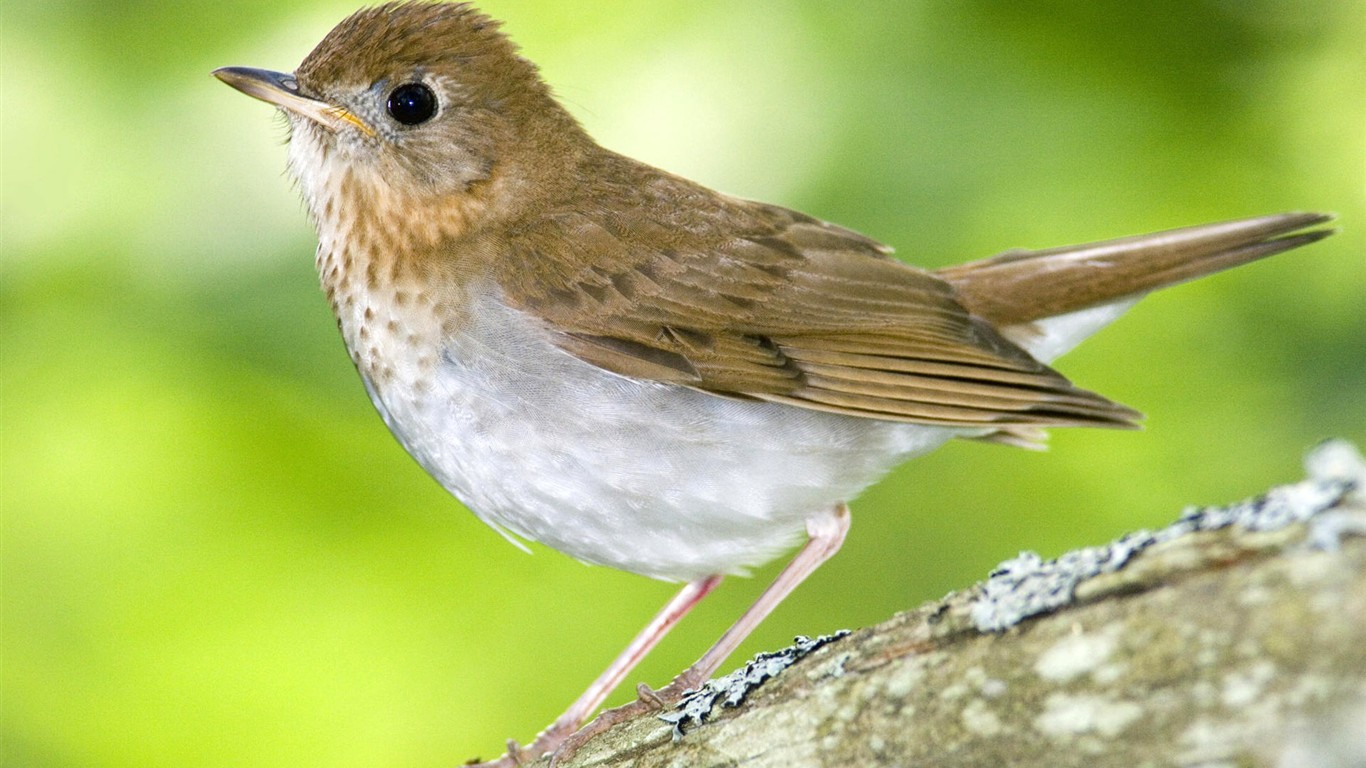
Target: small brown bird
x,y
637,370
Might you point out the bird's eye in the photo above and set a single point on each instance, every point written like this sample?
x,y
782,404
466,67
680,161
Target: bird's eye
x,y
412,103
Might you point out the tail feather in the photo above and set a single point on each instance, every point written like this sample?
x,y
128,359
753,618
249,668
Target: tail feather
x,y
1048,301
1021,286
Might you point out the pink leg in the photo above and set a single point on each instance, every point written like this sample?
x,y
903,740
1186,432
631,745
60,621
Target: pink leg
x,y
826,534
673,612
549,739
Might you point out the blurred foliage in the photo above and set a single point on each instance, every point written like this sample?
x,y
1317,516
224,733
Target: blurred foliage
x,y
214,555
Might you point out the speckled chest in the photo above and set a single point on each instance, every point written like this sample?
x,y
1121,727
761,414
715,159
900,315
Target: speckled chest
x,y
391,321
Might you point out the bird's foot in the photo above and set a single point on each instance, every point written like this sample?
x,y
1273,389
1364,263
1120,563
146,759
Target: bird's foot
x,y
564,738
545,743
650,700
687,681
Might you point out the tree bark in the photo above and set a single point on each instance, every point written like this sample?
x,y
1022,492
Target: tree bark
x,y
1236,637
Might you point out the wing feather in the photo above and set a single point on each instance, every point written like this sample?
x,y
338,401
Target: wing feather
x,y
754,301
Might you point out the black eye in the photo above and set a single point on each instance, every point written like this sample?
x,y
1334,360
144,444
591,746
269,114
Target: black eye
x,y
412,103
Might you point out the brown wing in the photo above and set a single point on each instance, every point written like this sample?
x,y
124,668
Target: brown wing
x,y
747,300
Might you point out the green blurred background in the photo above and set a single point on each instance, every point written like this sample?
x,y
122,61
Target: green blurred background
x,y
215,555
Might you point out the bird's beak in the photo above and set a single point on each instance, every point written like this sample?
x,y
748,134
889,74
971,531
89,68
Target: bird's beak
x,y
282,90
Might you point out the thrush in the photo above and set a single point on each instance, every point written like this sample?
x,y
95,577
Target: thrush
x,y
642,372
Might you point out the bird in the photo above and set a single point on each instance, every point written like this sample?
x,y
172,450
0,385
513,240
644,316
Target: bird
x,y
642,372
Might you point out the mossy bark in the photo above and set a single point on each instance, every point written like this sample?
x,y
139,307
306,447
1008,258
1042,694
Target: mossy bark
x,y
1219,648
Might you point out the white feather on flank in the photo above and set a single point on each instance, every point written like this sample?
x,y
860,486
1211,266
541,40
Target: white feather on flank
x,y
1052,337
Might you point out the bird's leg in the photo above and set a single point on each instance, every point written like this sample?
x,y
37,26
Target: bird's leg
x,y
550,739
826,533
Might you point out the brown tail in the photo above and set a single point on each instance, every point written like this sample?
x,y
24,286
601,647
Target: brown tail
x,y
1022,286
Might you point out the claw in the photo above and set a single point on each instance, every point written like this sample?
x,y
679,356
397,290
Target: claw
x,y
649,695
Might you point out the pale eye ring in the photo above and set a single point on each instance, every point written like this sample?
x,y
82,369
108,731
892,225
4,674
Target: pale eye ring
x,y
412,103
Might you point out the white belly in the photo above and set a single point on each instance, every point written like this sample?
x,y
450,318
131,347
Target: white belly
x,y
651,478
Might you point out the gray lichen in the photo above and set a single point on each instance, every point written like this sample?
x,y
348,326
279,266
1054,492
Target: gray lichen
x,y
1028,585
731,690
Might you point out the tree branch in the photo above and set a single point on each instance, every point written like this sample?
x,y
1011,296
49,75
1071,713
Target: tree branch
x,y
1236,636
